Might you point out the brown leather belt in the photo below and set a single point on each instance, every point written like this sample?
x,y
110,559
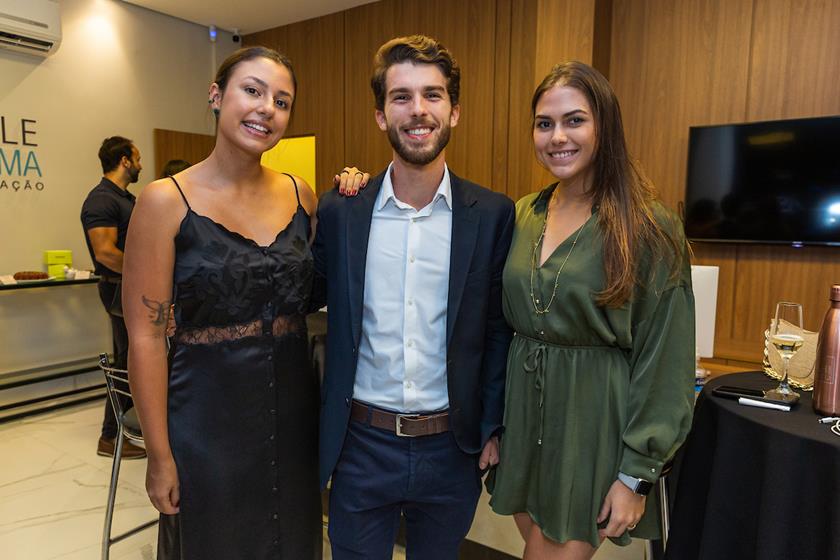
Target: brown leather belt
x,y
404,425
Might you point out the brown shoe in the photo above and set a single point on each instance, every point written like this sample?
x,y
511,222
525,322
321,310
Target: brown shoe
x,y
106,448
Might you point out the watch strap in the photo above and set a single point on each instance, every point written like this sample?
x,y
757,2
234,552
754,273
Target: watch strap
x,y
639,486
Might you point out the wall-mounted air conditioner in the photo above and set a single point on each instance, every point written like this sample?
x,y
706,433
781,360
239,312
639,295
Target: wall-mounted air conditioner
x,y
30,26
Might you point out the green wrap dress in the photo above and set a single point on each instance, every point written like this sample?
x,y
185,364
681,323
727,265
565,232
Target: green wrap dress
x,y
591,391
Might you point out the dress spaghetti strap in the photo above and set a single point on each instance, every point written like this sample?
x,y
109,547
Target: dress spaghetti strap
x,y
297,194
177,186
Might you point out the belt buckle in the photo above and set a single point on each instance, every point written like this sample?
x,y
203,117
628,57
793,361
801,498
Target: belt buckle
x,y
399,418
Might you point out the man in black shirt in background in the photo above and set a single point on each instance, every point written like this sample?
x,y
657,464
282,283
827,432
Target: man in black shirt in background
x,y
105,215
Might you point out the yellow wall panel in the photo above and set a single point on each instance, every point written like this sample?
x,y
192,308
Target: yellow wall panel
x,y
294,155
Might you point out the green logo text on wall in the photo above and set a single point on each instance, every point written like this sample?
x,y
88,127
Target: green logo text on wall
x,y
19,168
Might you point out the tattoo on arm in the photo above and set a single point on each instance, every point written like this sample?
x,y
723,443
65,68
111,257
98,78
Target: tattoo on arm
x,y
158,311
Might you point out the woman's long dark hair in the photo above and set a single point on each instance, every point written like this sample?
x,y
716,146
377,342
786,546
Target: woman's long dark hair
x,y
619,189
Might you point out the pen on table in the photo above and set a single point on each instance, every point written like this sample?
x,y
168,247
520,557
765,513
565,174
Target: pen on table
x,y
763,404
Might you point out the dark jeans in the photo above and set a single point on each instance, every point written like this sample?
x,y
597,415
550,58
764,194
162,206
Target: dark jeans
x,y
380,475
119,335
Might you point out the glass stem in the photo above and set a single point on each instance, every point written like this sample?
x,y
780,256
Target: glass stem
x,y
784,384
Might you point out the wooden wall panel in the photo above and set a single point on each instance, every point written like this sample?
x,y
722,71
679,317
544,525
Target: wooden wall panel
x,y
501,97
565,31
523,47
543,33
316,49
468,30
172,144
494,41
694,62
795,62
675,65
602,36
795,59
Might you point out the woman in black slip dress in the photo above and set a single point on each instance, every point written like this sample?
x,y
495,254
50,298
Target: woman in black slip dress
x,y
231,431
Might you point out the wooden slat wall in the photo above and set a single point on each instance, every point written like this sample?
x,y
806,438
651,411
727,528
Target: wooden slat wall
x,y
676,64
544,32
495,43
795,62
673,63
468,31
316,49
173,144
680,63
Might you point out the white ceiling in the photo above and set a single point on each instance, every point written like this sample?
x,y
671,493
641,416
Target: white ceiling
x,y
247,16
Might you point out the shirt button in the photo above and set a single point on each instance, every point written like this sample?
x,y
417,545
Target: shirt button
x,y
271,384
410,343
542,333
274,516
274,489
273,411
273,462
270,358
410,302
411,258
271,437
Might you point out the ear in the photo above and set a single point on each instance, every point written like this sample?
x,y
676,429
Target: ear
x,y
215,96
454,115
380,120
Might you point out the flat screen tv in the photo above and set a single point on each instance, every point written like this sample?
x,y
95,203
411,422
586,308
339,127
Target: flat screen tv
x,y
765,182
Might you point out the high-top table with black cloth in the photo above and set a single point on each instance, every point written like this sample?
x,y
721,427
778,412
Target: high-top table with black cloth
x,y
756,483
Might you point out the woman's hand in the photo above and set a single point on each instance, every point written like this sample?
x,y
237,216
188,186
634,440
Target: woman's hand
x,y
490,454
162,485
623,508
350,180
170,322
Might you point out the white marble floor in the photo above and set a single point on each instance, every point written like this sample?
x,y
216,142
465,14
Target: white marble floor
x,y
53,489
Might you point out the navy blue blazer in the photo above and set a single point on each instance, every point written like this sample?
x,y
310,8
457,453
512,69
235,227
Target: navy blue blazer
x,y
477,337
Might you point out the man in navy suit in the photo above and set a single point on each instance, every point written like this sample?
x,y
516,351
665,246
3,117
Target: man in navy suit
x,y
413,391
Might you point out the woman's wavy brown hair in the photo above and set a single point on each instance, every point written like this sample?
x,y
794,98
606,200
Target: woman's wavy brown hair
x,y
619,189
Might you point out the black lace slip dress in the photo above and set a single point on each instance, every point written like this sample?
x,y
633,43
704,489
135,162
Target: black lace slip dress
x,y
243,401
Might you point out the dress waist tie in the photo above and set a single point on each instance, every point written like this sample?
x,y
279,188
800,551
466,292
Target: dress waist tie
x,y
535,364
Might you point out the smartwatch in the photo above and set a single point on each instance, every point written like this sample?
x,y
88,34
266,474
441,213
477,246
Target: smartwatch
x,y
637,485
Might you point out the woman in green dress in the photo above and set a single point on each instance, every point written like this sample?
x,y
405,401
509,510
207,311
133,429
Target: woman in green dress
x,y
597,286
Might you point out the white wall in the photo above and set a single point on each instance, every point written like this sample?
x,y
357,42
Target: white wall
x,y
120,70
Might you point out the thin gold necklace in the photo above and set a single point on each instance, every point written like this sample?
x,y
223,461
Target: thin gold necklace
x,y
537,245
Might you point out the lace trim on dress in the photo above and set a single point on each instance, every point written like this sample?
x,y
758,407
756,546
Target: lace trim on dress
x,y
281,326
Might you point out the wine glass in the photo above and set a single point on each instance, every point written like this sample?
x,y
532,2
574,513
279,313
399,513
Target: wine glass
x,y
786,335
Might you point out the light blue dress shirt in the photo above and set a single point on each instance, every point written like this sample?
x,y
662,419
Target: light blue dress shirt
x,y
402,352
